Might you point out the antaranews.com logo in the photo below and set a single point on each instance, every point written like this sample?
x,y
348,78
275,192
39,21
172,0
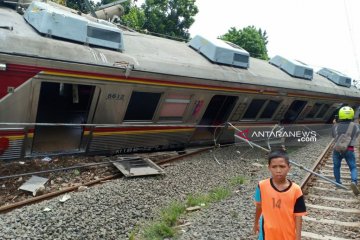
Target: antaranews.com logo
x,y
298,135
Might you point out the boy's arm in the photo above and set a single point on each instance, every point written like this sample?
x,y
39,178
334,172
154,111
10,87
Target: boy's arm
x,y
258,211
257,217
298,227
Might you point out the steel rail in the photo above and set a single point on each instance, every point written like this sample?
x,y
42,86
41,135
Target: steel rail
x,y
309,175
10,207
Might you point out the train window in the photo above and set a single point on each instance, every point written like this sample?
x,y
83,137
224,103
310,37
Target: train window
x,y
103,34
270,109
314,110
322,112
254,108
293,112
174,107
142,106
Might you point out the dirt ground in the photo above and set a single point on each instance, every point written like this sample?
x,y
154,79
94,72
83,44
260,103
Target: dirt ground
x,y
58,180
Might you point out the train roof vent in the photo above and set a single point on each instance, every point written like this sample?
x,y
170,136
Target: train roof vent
x,y
53,21
293,67
335,76
221,52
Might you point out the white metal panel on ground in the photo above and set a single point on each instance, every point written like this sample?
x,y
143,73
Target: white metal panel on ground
x,y
33,184
138,167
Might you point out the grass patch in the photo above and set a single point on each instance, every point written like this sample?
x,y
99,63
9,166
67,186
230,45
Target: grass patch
x,y
132,235
164,227
219,194
238,180
158,231
170,214
197,200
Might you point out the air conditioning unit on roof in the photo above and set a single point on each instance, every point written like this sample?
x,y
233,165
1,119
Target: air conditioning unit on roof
x,y
53,21
335,76
292,67
220,51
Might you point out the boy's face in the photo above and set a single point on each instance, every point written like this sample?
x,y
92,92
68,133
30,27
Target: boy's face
x,y
279,168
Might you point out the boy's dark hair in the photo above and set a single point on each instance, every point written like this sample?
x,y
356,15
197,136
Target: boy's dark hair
x,y
278,154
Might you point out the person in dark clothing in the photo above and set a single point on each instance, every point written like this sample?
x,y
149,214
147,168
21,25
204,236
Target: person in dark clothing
x,y
346,116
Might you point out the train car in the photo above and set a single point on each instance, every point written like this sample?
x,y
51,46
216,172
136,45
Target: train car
x,y
72,84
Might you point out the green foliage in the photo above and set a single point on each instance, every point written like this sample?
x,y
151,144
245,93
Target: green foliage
x,y
132,235
249,38
170,214
165,17
158,231
197,200
238,180
219,194
168,17
80,5
135,18
164,228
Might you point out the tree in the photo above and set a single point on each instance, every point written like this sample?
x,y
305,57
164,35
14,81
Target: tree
x,y
169,17
249,38
134,16
79,5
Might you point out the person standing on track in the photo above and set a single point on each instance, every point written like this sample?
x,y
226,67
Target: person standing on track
x,y
346,116
279,202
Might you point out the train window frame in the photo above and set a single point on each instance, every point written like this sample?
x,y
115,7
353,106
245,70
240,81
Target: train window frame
x,y
322,111
274,111
173,98
238,110
260,109
290,112
317,106
154,108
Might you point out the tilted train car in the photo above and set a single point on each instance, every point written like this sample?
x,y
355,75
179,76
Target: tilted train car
x,y
73,85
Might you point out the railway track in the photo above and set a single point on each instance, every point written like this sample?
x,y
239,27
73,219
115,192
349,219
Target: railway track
x,y
333,213
161,159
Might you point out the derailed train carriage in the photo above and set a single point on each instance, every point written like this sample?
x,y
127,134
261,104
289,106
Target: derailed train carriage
x,y
74,84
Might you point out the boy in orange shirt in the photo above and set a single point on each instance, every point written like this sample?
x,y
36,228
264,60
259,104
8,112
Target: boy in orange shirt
x,y
279,203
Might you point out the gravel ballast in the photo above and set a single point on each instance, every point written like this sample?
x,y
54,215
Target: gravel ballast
x,y
114,209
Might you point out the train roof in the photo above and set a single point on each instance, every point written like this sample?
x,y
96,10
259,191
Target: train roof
x,y
153,54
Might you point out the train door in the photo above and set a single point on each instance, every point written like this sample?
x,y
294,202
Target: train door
x,y
61,103
216,113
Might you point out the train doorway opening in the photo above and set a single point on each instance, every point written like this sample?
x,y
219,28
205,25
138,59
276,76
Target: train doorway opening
x,y
61,103
217,113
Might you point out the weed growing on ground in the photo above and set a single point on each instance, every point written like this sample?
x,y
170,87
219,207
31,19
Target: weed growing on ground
x,y
133,233
158,231
197,200
164,227
234,214
170,214
238,180
219,194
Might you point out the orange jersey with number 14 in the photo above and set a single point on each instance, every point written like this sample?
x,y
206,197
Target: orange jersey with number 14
x,y
279,209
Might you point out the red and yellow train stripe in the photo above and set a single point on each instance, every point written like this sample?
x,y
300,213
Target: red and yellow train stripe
x,y
16,75
6,136
134,130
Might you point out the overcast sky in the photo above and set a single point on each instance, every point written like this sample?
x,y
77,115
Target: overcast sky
x,y
321,33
